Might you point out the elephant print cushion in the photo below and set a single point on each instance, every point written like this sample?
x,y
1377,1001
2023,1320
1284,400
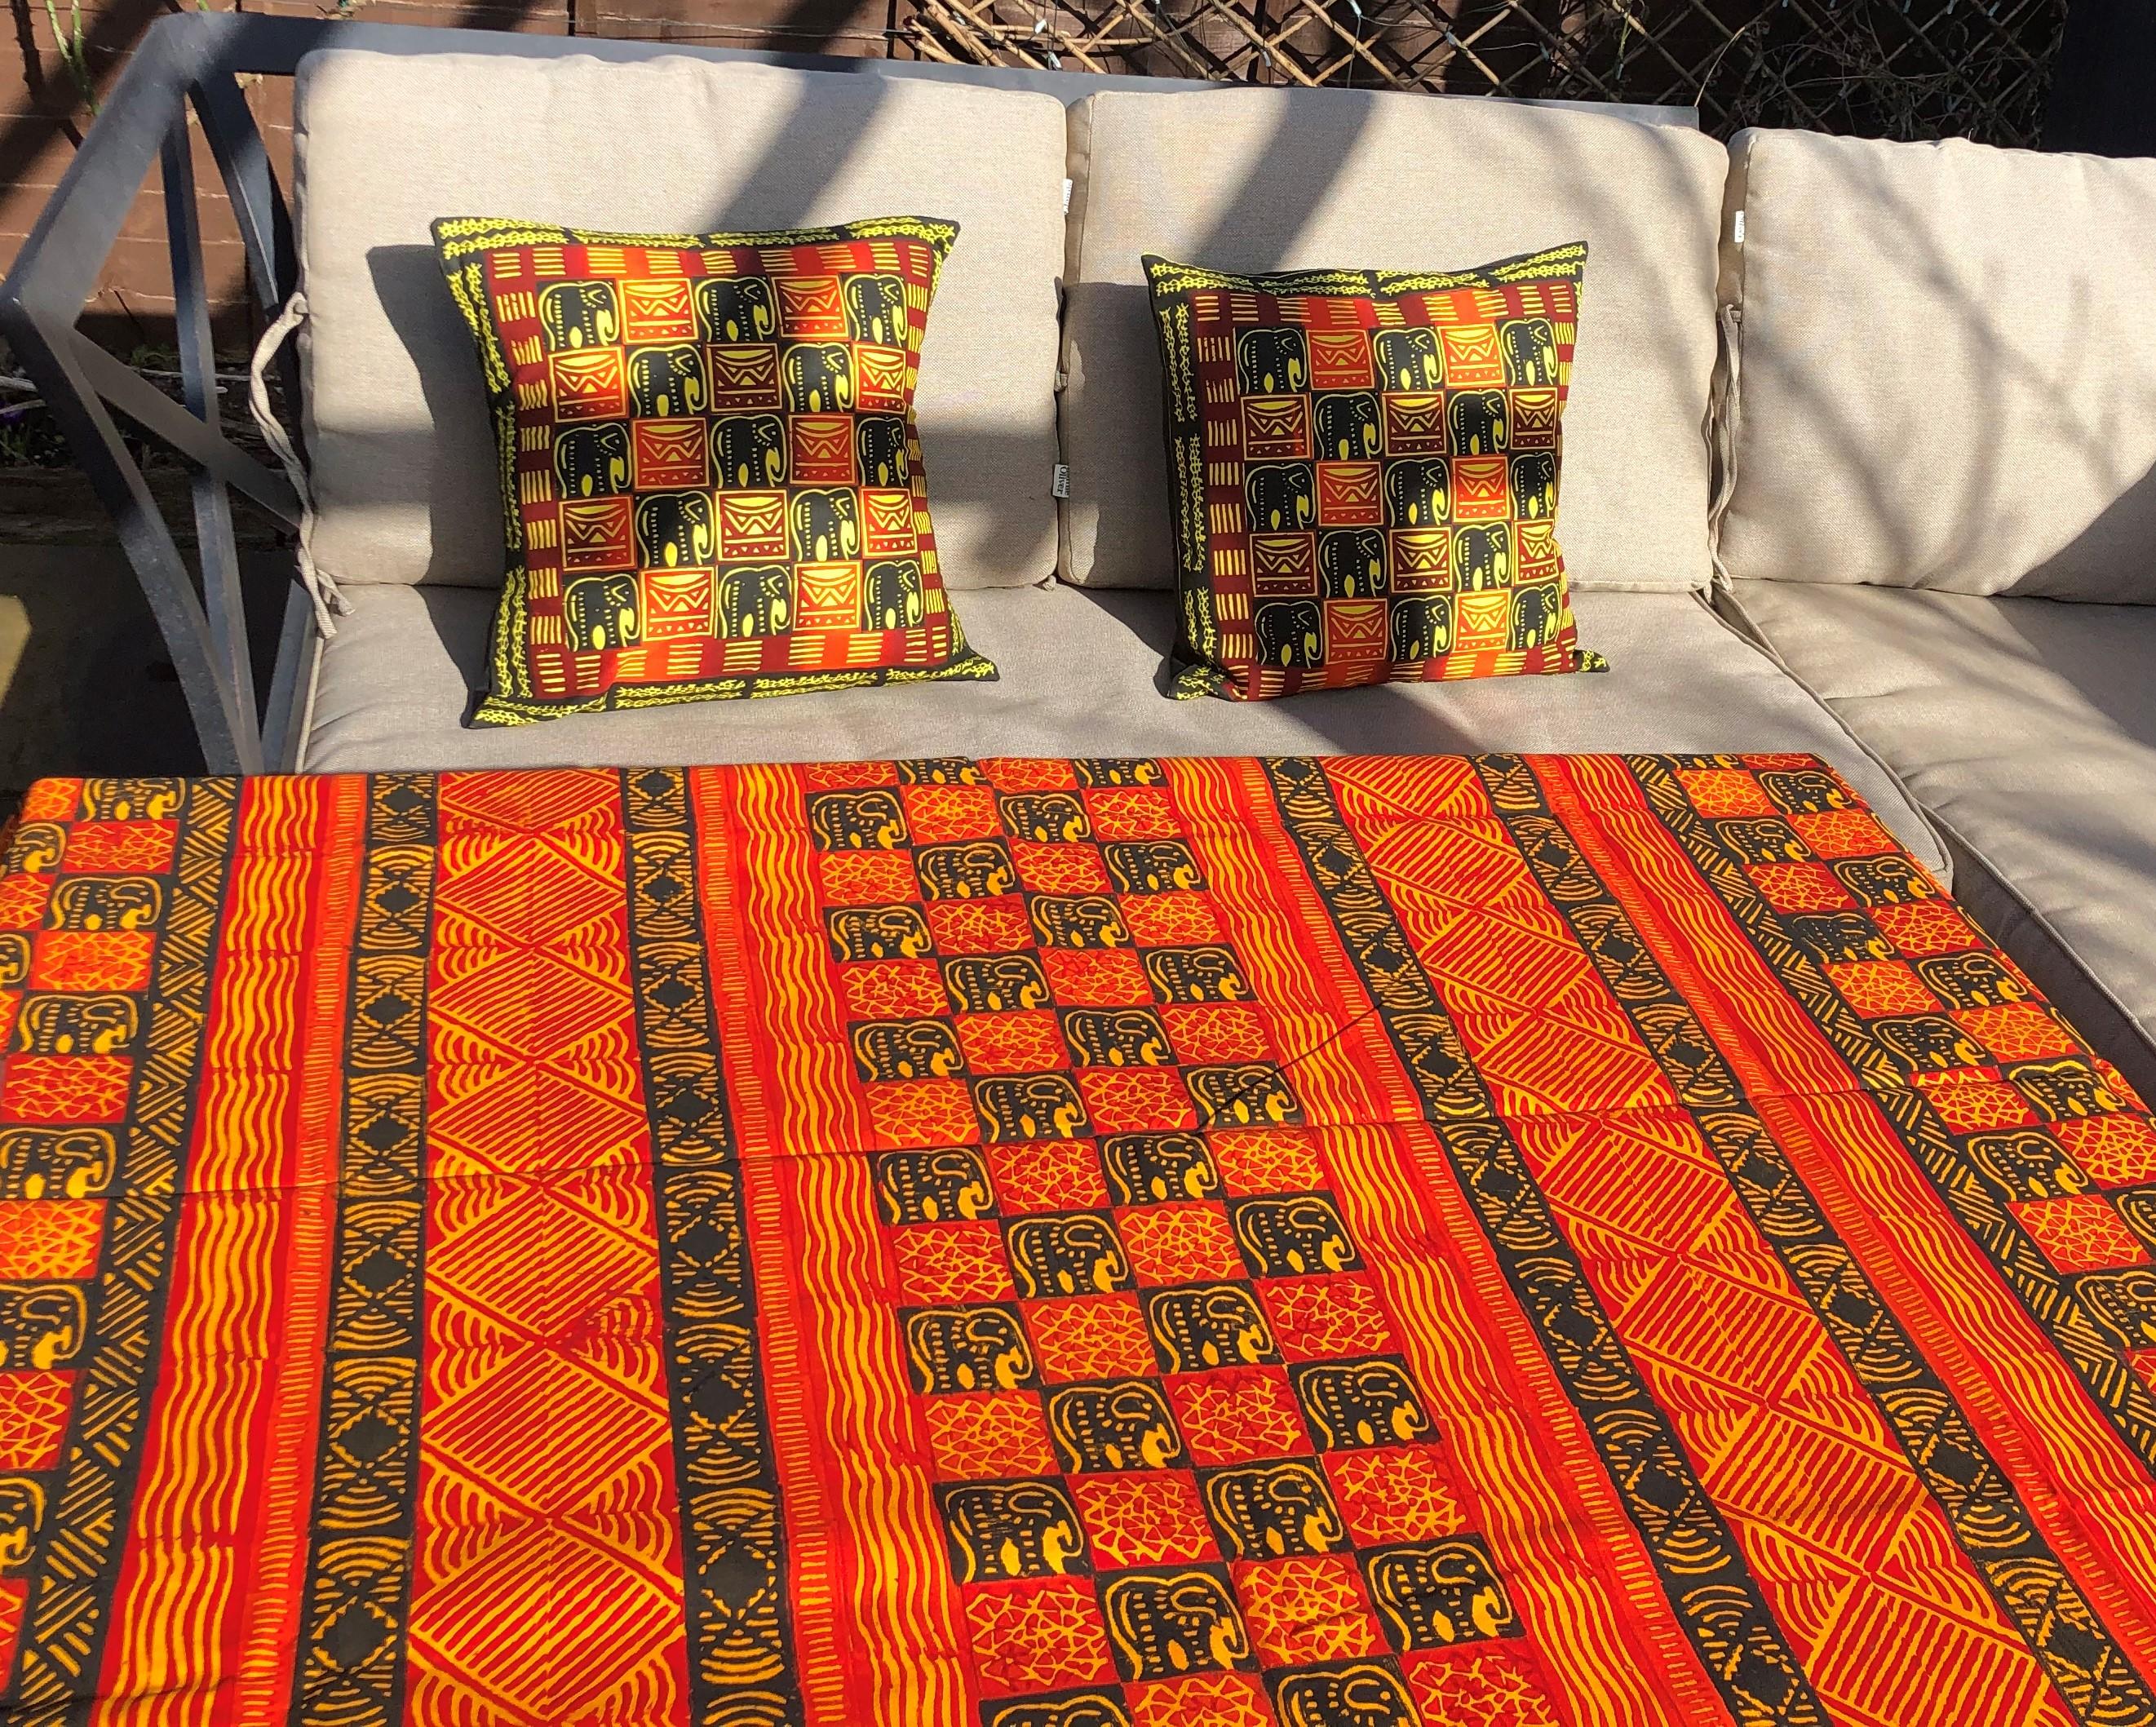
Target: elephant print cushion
x,y
1365,466
711,480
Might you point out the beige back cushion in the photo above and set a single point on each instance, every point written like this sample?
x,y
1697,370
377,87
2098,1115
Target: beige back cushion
x,y
1949,368
403,459
1265,179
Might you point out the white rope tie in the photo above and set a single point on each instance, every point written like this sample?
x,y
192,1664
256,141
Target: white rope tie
x,y
1722,433
322,589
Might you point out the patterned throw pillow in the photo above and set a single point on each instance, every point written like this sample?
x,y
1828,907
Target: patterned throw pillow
x,y
1365,465
711,484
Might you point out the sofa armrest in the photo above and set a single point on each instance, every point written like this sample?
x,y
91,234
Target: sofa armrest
x,y
185,62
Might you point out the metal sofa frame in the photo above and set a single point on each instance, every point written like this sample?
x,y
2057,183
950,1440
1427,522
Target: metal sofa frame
x,y
194,61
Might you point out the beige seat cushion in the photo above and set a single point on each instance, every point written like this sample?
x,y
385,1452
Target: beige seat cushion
x,y
2027,728
1252,180
1948,372
405,467
1082,675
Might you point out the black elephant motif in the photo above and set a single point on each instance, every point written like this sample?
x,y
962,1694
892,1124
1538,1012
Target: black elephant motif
x,y
1123,1425
1419,626
76,1025
1117,1036
1417,491
1351,563
826,523
1242,1095
875,310
938,770
1810,791
975,1348
601,612
871,821
22,1516
892,597
819,377
753,599
1209,1325
932,1186
2029,1166
666,382
55,1163
2123,1302
106,901
1293,1236
1117,770
1347,426
1475,422
35,847
1887,881
1362,1695
860,933
1152,866
579,314
1065,1253
1408,360
1440,1593
14,959
591,461
1269,1510
1929,1043
1162,1625
1972,980
1271,361
995,983
1534,484
1281,496
736,308
1290,633
1482,555
1002,1529
1196,974
1534,616
1148,1168
1044,816
880,443
1838,937
134,797
1764,839
2064,1090
971,869
673,528
752,450
886,1049
1529,346
1351,1404
43,1325
1028,1106
1086,920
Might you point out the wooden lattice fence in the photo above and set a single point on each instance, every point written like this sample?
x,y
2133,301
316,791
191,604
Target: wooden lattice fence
x,y
1901,68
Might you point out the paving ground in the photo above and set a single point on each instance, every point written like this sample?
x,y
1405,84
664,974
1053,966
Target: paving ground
x,y
85,686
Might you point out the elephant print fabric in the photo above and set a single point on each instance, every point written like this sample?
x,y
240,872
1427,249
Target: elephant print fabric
x,y
1365,473
712,483
1346,1242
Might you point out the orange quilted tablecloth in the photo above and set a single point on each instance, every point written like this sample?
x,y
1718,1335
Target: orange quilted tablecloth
x,y
1349,1243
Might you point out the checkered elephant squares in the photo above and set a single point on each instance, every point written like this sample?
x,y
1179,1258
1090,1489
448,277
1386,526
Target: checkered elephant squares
x,y
1180,1463
1366,467
711,480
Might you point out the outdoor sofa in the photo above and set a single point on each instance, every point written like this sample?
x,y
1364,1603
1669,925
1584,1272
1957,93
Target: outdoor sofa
x,y
1857,459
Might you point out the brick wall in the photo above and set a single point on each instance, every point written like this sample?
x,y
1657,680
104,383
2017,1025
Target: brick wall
x,y
42,115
